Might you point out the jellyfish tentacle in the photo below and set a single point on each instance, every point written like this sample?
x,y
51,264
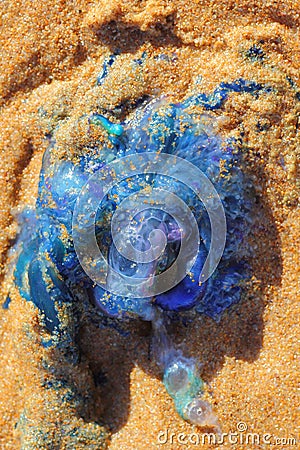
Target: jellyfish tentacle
x,y
180,376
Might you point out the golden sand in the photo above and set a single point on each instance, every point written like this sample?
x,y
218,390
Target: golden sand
x,y
51,53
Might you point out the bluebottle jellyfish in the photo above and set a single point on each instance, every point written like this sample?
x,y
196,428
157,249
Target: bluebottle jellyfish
x,y
49,271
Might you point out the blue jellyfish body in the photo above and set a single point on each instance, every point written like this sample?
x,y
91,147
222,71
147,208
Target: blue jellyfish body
x,y
48,271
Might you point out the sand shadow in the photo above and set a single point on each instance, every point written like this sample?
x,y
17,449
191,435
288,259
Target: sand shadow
x,y
122,37
125,344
